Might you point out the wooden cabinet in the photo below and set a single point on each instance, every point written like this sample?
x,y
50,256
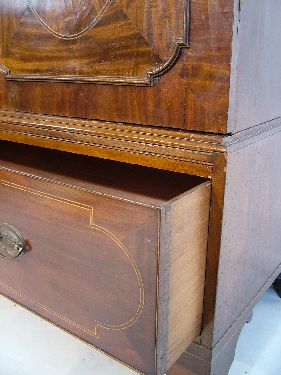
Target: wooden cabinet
x,y
189,87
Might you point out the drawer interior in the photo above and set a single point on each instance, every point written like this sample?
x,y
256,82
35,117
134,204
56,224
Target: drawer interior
x,y
124,179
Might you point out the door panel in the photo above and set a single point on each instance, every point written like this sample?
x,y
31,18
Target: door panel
x,y
123,41
162,63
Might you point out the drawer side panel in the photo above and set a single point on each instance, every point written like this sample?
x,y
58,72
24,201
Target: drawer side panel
x,y
185,244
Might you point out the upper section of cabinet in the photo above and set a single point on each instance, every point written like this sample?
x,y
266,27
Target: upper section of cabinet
x,y
192,65
149,62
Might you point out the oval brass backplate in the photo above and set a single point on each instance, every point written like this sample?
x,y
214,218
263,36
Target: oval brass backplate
x,y
12,243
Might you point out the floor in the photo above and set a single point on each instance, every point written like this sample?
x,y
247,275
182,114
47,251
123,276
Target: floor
x,y
31,346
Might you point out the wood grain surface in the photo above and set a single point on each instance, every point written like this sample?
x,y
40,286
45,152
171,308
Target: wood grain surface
x,y
181,317
173,150
197,99
105,41
250,248
96,245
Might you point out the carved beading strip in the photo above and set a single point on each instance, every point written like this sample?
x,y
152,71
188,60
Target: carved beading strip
x,y
164,149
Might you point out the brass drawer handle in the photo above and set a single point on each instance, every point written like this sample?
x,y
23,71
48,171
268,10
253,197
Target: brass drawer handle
x,y
12,243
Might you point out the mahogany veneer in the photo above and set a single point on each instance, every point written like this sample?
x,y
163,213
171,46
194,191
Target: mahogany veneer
x,y
180,64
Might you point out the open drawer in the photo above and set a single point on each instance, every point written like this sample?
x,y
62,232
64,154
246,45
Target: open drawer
x,y
113,253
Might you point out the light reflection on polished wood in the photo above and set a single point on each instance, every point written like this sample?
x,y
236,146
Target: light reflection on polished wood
x,y
111,41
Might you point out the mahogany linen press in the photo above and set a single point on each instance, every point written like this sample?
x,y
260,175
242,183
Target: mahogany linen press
x,y
139,172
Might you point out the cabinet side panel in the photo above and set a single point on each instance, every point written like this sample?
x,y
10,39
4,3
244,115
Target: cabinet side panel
x,y
251,236
188,218
258,86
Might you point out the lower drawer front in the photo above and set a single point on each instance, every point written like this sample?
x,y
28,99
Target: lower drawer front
x,y
83,268
92,265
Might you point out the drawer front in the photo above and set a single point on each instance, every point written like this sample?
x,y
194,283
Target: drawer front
x,y
90,265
